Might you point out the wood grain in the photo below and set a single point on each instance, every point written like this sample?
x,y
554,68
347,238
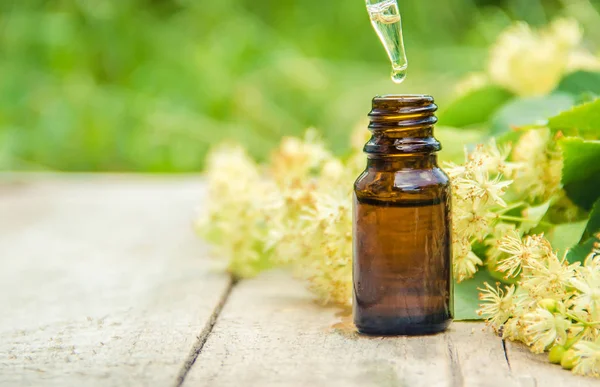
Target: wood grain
x,y
539,372
102,281
271,334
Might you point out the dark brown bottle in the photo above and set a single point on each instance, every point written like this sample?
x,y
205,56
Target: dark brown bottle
x,y
402,242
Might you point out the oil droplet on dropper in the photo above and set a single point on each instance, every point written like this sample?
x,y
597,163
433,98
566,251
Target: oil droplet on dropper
x,y
386,20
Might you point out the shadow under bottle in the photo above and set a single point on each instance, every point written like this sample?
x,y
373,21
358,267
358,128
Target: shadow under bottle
x,y
402,242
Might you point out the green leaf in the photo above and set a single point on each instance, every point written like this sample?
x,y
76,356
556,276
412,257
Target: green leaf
x,y
583,119
535,215
581,171
466,296
475,107
593,226
565,236
510,137
580,82
580,252
529,111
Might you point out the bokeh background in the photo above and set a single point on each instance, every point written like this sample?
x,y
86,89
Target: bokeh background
x,y
149,85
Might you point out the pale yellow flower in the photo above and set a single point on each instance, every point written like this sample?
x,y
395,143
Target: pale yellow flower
x,y
297,159
513,329
532,62
328,265
548,277
543,329
472,82
490,158
239,204
521,252
471,219
498,305
583,60
453,170
465,261
540,167
587,282
481,186
592,261
493,240
589,358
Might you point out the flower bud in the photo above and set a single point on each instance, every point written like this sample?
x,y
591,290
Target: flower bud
x,y
569,360
549,304
556,354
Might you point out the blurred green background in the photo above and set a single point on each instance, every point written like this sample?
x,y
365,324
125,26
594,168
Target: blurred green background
x,y
149,85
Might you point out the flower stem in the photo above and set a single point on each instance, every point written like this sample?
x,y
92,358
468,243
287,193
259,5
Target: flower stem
x,y
585,323
524,220
510,208
575,339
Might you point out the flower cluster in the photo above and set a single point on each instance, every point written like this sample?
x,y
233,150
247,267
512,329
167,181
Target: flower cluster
x,y
540,165
294,213
241,202
556,306
477,204
532,62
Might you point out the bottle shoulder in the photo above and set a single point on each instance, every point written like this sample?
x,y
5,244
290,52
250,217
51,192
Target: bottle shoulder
x,y
404,178
427,183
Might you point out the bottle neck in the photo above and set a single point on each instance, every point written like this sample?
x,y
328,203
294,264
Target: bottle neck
x,y
402,127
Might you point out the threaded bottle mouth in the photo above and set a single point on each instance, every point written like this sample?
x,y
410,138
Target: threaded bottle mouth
x,y
402,111
402,125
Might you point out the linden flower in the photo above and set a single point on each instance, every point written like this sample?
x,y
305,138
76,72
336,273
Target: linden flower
x,y
329,262
493,240
513,329
521,252
592,261
472,82
498,305
453,170
542,329
548,278
587,282
589,358
240,201
480,186
473,221
297,158
490,158
531,63
540,171
465,261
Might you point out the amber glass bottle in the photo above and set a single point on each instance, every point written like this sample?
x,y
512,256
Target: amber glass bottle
x,y
402,241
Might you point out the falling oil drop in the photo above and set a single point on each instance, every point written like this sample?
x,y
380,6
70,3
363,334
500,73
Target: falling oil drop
x,y
399,75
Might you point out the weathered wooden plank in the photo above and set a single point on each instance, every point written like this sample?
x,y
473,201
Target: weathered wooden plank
x,y
481,356
536,368
102,281
271,334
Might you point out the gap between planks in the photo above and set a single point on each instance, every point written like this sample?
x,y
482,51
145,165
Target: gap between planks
x,y
455,368
203,336
286,339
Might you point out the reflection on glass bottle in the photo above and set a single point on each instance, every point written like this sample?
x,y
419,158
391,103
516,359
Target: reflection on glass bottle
x,y
386,20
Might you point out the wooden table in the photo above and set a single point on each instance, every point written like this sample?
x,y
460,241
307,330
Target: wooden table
x,y
103,282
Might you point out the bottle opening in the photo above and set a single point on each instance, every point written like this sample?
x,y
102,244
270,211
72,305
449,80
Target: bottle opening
x,y
402,125
402,111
